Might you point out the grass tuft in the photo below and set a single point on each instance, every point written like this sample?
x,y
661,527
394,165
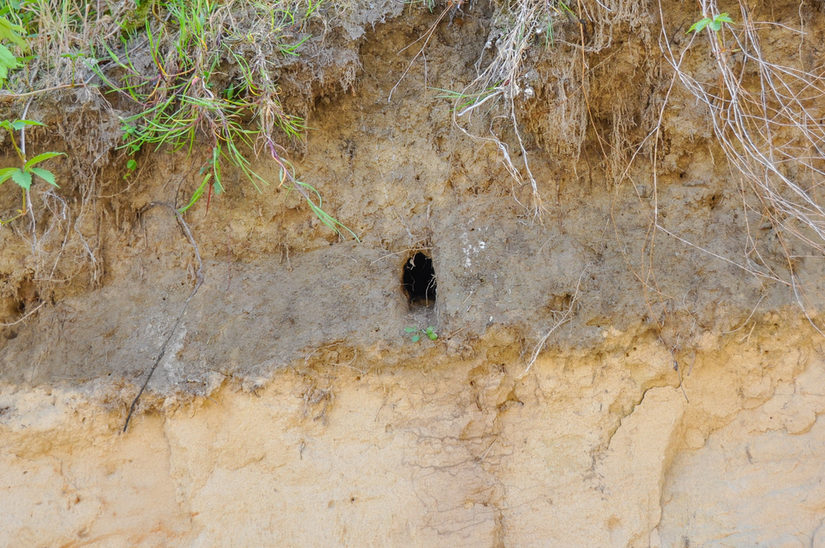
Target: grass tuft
x,y
195,73
187,73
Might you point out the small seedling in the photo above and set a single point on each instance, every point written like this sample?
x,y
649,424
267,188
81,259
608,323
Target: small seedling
x,y
715,23
23,175
416,332
131,167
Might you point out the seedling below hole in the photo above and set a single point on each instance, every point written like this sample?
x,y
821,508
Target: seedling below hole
x,y
715,23
416,332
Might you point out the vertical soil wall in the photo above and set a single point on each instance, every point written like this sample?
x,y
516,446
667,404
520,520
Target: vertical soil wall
x,y
619,343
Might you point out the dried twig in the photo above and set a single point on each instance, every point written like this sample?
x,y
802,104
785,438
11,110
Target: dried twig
x,y
198,282
23,318
566,317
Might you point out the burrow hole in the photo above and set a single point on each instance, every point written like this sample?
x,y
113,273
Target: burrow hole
x,y
418,280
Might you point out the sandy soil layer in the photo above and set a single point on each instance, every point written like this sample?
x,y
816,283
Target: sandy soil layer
x,y
599,448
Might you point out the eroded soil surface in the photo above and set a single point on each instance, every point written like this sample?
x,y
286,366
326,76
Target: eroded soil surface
x,y
627,365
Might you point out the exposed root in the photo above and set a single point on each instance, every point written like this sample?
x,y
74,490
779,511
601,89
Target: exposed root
x,y
768,119
24,317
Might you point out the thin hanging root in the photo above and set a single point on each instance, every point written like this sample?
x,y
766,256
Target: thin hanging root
x,y
198,282
426,37
565,317
751,125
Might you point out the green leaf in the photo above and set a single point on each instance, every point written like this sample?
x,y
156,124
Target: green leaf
x,y
22,178
10,31
410,329
416,338
699,25
45,174
431,334
131,165
41,158
7,172
216,168
715,23
7,58
20,124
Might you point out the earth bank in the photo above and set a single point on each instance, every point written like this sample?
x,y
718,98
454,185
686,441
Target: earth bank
x,y
635,363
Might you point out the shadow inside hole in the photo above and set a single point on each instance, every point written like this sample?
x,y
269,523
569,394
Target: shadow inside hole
x,y
419,280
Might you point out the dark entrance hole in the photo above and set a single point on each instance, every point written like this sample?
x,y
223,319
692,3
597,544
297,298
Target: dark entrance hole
x,y
419,280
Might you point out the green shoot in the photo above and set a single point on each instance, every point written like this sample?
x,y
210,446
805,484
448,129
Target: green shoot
x,y
23,175
714,23
463,101
416,333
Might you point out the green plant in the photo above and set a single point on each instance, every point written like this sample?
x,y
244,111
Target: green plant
x,y
8,61
207,79
715,23
24,175
416,332
468,100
